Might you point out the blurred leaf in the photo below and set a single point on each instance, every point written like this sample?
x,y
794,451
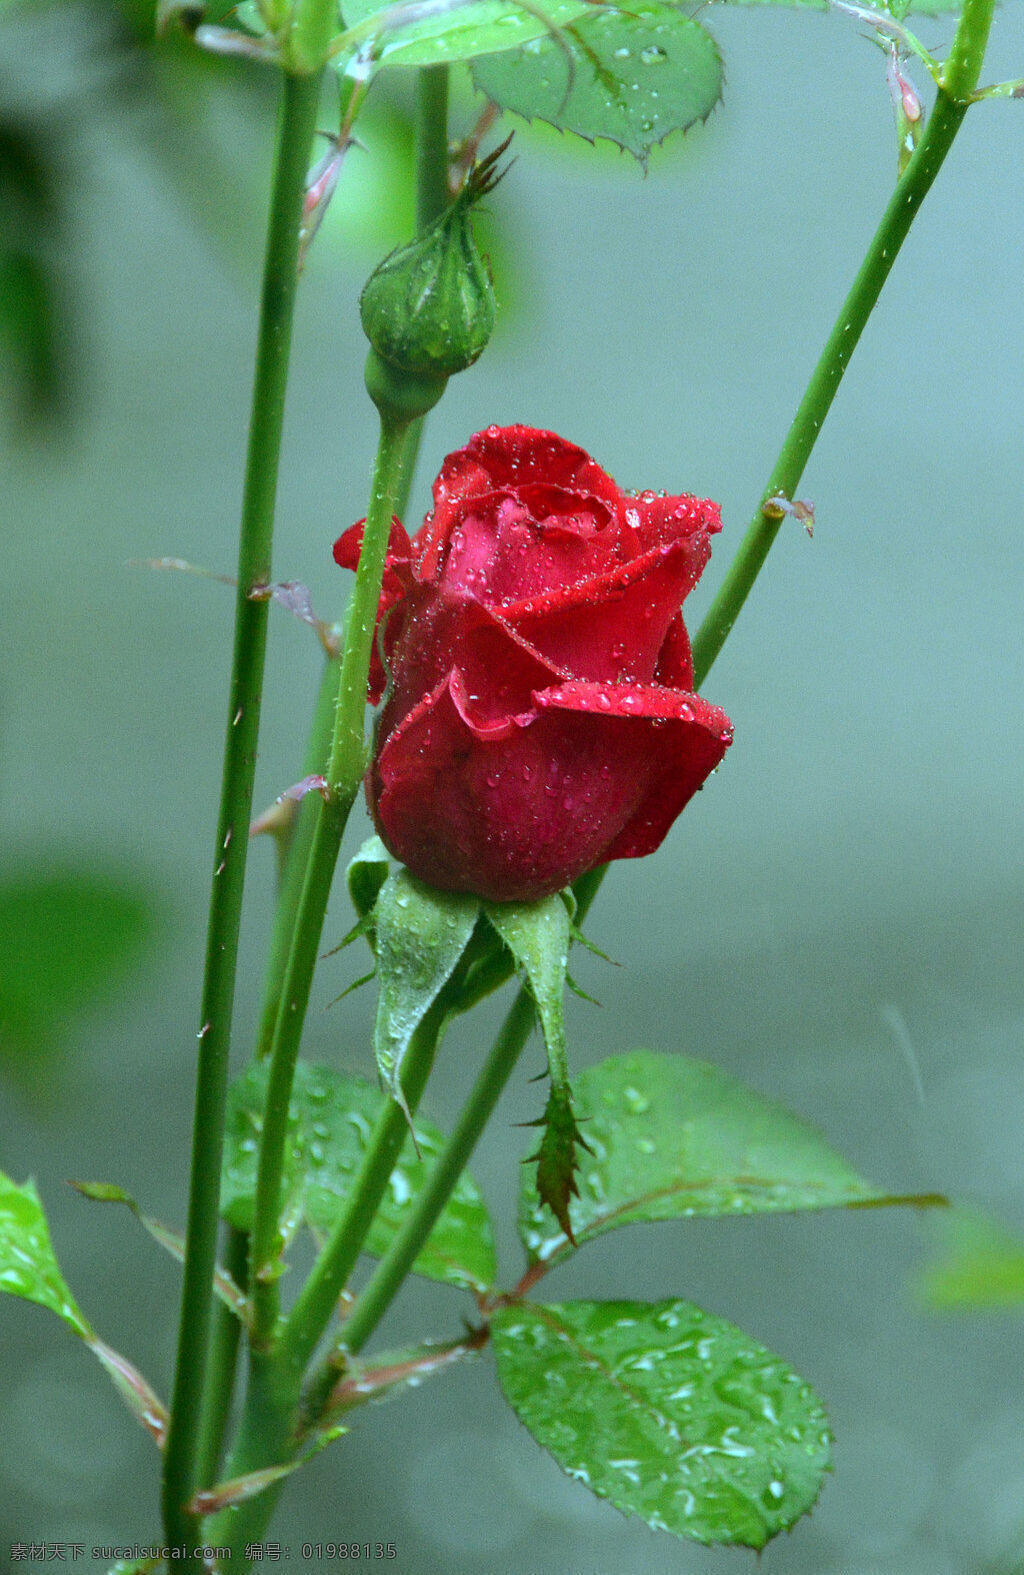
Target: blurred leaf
x,y
981,1265
460,31
332,1118
67,937
420,935
630,76
671,1137
28,1265
171,1241
674,1415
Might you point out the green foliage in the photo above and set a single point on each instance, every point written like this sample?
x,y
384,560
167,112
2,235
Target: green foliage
x,y
66,938
981,1266
669,1137
630,76
420,936
460,32
331,1122
674,1415
28,1265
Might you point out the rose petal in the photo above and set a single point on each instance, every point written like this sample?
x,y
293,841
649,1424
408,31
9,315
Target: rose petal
x,y
501,459
653,518
684,741
397,579
613,626
675,659
430,634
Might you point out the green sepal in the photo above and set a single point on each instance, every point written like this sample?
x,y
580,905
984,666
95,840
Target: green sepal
x,y
421,936
366,874
538,934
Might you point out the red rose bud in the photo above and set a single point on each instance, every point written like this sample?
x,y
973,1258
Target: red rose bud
x,y
539,718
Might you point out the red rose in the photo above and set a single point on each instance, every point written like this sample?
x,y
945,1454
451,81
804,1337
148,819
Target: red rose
x,y
539,718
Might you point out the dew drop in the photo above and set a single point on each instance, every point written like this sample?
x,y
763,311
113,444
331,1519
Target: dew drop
x,y
653,55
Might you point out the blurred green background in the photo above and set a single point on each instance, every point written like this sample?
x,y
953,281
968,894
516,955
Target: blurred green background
x,y
837,920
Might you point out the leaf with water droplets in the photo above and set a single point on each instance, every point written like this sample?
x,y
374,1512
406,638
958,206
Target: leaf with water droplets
x,y
670,1137
670,1413
28,1265
633,76
331,1122
461,30
420,935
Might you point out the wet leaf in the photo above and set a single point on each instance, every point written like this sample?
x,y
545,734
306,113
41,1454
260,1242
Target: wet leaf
x,y
670,1413
420,935
556,1158
671,1137
632,76
332,1118
28,1265
981,1266
459,31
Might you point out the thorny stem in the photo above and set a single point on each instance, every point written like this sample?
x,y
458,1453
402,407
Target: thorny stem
x,y
300,98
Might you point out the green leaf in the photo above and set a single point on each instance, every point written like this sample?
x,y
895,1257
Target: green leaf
x,y
981,1266
674,1415
458,32
556,1159
332,1119
669,1137
28,1266
632,76
421,935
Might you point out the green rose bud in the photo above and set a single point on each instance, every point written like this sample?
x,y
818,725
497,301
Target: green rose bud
x,y
428,310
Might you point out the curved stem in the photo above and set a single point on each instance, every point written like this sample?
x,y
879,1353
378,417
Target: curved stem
x,y
344,774
300,98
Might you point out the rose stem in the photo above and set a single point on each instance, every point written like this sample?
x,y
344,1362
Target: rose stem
x,y
961,78
296,122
